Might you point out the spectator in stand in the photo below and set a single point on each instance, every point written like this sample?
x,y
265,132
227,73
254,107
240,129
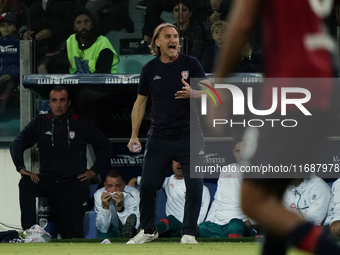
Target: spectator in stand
x,y
175,191
10,59
12,6
85,51
225,217
116,207
152,16
154,9
212,10
250,60
210,55
310,198
95,7
220,9
191,31
49,27
110,15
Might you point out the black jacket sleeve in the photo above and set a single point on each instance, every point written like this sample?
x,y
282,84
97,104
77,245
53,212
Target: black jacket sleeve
x,y
104,62
26,139
101,145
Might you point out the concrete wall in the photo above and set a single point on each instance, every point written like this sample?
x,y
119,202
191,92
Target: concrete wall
x,y
9,192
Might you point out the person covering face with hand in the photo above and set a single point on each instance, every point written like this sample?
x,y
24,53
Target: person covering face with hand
x,y
116,207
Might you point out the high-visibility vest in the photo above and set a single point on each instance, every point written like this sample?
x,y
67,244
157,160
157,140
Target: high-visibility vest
x,y
84,61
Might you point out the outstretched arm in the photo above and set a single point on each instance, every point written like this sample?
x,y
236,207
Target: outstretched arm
x,y
137,115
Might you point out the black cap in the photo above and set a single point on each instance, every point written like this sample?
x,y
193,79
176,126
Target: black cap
x,y
9,17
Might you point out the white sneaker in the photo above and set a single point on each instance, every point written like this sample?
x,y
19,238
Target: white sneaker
x,y
188,239
143,238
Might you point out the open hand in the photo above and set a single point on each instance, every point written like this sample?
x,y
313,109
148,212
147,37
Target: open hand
x,y
185,92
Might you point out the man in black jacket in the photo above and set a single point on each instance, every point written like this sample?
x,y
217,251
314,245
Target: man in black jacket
x,y
62,137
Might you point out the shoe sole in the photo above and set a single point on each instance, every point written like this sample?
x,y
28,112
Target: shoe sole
x,y
129,226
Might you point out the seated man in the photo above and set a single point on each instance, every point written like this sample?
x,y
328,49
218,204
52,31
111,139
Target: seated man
x,y
175,191
116,207
333,218
85,51
310,198
225,217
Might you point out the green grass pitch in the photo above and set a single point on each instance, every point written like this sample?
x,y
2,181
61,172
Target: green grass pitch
x,y
120,248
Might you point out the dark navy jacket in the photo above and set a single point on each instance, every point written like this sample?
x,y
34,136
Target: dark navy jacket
x,y
9,57
62,145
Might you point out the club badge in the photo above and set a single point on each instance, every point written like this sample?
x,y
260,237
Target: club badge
x,y
185,74
72,134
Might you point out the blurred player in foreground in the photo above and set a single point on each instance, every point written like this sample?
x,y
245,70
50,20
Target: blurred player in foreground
x,y
290,32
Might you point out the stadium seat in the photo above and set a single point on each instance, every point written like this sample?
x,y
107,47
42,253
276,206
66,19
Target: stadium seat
x,y
212,186
90,230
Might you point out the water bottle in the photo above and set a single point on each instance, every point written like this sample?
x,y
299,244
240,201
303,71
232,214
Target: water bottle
x,y
136,147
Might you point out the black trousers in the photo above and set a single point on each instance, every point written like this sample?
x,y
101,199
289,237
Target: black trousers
x,y
159,153
70,200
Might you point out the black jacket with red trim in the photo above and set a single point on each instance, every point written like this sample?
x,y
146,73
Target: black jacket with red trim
x,y
62,145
